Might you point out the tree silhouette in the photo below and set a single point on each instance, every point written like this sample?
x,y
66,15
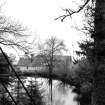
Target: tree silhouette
x,y
48,52
4,100
4,69
94,51
36,93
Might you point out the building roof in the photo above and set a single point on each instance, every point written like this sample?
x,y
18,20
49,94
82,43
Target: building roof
x,y
38,60
63,64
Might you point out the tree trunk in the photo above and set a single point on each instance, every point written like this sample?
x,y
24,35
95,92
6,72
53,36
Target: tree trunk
x,y
98,95
99,20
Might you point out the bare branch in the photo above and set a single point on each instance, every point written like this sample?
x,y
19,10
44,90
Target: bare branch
x,y
13,34
70,12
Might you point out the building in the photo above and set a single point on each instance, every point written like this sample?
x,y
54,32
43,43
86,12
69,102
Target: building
x,y
37,63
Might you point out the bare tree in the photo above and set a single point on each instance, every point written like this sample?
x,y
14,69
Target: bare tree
x,y
12,34
49,51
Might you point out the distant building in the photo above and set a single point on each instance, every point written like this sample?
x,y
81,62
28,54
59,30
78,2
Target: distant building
x,y
37,63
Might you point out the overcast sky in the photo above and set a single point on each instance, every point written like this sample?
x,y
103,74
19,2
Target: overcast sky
x,y
39,15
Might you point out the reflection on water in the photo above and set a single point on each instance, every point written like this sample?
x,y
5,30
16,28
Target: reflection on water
x,y
61,95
